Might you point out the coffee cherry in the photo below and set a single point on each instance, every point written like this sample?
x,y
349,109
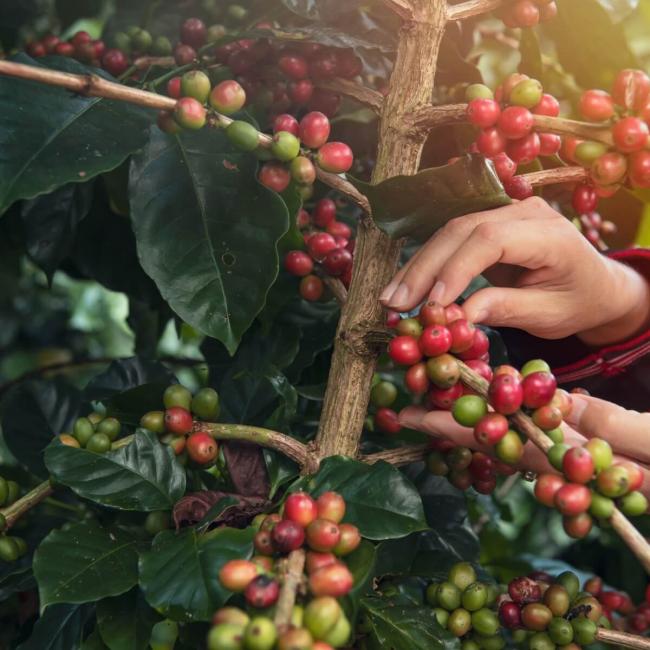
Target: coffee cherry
x,y
524,590
285,146
601,507
584,630
330,506
236,575
274,176
83,431
443,398
515,122
383,393
631,88
538,389
202,448
459,622
556,598
350,540
527,93
518,188
114,61
510,449
300,92
177,395
504,166
321,615
546,487
480,367
613,482
64,439
316,561
547,417
205,404
178,420
227,97
588,151
596,105
448,595
262,592
443,370
510,615
435,340
286,122
462,335
243,135
387,421
337,262
549,144
196,84
404,350
189,113
260,634
110,427
193,32
64,49
334,580
483,113
416,380
505,394
491,142
314,129
478,91
298,263
630,134
524,150
633,504
99,443
409,327
335,157
490,429
548,105
311,288
459,458
601,453
474,597
634,472
572,499
156,522
323,535
293,66
288,536
610,168
536,616
485,622
469,409
639,169
578,526
263,542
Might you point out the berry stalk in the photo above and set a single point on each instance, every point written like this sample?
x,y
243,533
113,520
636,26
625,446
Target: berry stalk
x,y
13,512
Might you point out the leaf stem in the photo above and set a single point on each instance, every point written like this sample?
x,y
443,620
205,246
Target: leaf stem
x,y
18,508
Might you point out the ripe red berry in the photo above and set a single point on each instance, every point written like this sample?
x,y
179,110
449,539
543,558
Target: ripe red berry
x,y
631,88
115,62
50,41
311,288
524,590
404,350
482,466
596,105
294,66
578,526
228,97
178,420
462,335
639,169
524,150
314,130
301,508
510,615
490,429
335,157
435,340
275,176
444,398
331,506
323,535
480,367
416,380
324,213
504,166
288,536
334,580
350,540
578,465
316,561
491,142
386,421
518,188
483,113
174,87
515,122
193,32
506,394
184,54
611,167
480,346
300,92
572,499
546,486
320,244
80,38
630,134
262,592
189,113
339,229
298,263
337,262
584,199
549,144
432,313
202,448
548,105
286,122
539,389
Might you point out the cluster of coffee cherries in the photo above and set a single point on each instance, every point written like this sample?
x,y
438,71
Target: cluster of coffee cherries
x,y
94,432
618,607
11,548
543,612
506,119
527,13
329,246
175,424
383,418
592,484
314,525
626,113
595,228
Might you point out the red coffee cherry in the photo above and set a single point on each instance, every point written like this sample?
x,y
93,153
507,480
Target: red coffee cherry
x,y
337,262
228,97
298,263
386,421
482,466
339,229
547,417
504,166
546,487
524,150
462,335
578,526
300,508
518,188
491,142
444,398
348,64
311,288
404,350
480,346
202,448
167,124
115,62
263,542
480,367
189,113
80,38
584,199
350,540
631,88
294,66
275,176
335,157
300,92
610,168
262,592
539,389
236,575
483,113
64,49
578,465
331,506
174,87
193,32
435,340
596,105
324,213
510,615
314,129
524,590
315,561
639,168
549,144
506,394
515,122
178,420
491,428
288,536
320,244
630,134
416,380
572,499
334,580
286,122
548,105
184,54
323,535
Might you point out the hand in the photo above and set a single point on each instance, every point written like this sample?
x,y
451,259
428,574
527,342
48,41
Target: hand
x,y
626,431
548,279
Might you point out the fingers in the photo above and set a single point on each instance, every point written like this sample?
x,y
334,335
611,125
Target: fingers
x,y
626,431
418,276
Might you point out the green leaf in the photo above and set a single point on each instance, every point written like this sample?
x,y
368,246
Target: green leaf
x,y
581,50
63,137
362,564
33,413
531,55
179,575
416,206
94,641
129,406
380,500
85,563
59,627
125,621
143,476
206,230
399,625
280,470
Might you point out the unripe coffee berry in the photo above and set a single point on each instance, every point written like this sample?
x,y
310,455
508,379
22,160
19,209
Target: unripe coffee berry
x,y
196,84
527,93
285,146
331,506
443,371
469,409
189,113
350,540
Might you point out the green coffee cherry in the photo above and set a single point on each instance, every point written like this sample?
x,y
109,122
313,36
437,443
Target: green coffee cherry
x,y
340,633
541,641
196,84
13,491
177,395
111,427
556,435
205,404
229,637
560,631
260,634
237,13
321,615
141,40
527,93
157,521
555,455
462,575
4,491
21,545
442,616
243,135
469,409
534,365
285,146
383,394
478,91
154,421
485,622
601,507
297,616
99,443
448,596
570,582
474,597
589,151
584,630
469,644
122,41
161,46
495,642
459,622
633,504
83,430
431,594
9,551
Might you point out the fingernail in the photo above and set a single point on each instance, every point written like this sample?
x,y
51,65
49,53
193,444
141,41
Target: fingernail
x,y
578,406
409,419
400,296
388,292
437,292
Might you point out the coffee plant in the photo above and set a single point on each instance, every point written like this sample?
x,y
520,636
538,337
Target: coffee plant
x,y
201,203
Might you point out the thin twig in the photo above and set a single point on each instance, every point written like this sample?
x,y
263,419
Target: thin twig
x,y
337,288
160,61
625,529
557,175
293,578
339,184
614,637
362,94
400,456
471,8
18,508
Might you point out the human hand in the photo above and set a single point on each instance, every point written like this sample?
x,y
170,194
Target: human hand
x,y
548,279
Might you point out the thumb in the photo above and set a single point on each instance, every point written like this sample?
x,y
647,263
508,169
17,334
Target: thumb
x,y
506,307
626,431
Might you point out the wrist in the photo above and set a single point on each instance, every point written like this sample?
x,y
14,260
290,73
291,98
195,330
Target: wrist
x,y
630,314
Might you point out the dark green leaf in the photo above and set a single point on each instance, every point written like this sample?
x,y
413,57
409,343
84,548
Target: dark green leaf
x,y
85,563
59,627
580,50
531,55
94,641
50,224
280,470
129,406
124,374
394,626
416,206
63,138
206,230
179,575
22,580
361,563
144,475
380,500
33,413
125,621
